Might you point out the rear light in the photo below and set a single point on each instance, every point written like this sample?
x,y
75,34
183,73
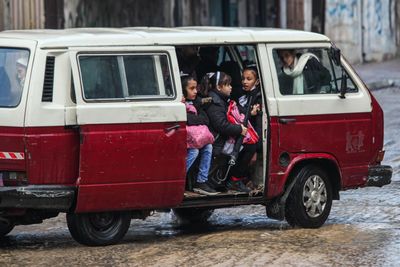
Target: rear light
x,y
380,156
13,178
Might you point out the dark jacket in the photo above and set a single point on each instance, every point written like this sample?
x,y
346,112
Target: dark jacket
x,y
315,75
201,117
219,123
256,121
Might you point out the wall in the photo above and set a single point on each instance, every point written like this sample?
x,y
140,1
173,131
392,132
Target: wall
x,y
111,13
21,14
343,26
365,30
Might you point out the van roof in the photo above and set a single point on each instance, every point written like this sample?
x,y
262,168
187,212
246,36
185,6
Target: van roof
x,y
76,37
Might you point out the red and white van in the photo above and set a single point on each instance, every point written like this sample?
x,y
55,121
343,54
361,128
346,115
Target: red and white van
x,y
92,124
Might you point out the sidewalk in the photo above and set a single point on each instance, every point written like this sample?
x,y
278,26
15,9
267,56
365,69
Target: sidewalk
x,y
380,74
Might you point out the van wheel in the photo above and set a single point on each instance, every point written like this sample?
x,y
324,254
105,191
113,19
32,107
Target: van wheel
x,y
193,215
5,227
310,201
98,229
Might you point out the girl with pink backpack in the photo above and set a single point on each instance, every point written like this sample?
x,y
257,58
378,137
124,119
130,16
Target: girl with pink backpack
x,y
199,137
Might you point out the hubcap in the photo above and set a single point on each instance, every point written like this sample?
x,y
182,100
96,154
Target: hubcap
x,y
314,196
102,221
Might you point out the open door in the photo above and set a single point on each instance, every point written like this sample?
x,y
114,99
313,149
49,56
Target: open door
x,y
132,128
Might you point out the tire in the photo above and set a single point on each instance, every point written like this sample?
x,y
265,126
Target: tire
x,y
193,215
5,227
98,229
310,201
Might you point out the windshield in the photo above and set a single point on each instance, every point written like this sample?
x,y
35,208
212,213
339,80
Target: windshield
x,y
13,65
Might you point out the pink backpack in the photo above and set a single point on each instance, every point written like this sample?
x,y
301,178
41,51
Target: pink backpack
x,y
197,135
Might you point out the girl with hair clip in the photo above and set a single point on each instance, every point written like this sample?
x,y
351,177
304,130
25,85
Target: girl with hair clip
x,y
251,87
218,86
199,137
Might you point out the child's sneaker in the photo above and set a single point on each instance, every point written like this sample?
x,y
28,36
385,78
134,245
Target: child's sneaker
x,y
205,189
237,186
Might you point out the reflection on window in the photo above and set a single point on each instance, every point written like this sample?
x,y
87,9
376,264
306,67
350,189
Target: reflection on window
x,y
307,71
125,76
13,65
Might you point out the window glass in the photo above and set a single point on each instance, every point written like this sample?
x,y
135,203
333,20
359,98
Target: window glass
x,y
125,76
338,74
13,66
247,54
100,77
308,71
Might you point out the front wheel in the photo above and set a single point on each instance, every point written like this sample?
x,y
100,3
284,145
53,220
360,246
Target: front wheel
x,y
310,201
98,229
5,227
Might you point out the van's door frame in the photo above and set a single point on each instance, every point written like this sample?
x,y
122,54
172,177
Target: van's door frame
x,y
321,123
132,153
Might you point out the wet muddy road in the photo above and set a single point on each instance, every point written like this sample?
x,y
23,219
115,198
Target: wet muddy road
x,y
362,230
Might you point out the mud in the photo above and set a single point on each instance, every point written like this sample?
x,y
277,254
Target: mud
x,y
363,229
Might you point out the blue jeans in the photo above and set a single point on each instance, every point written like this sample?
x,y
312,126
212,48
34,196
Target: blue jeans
x,y
205,161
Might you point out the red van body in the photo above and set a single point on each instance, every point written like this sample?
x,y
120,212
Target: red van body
x,y
106,161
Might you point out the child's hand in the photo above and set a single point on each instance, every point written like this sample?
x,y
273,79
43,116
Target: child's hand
x,y
206,100
183,100
244,130
256,108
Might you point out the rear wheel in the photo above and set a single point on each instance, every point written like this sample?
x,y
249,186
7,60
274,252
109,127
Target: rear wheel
x,y
193,215
310,201
98,229
5,227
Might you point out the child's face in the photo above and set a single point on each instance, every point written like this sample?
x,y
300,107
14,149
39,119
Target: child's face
x,y
225,89
287,58
249,80
191,90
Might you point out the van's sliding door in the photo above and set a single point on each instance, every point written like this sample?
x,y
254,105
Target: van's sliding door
x,y
132,128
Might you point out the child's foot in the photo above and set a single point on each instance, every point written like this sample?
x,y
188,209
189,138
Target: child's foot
x,y
237,186
205,189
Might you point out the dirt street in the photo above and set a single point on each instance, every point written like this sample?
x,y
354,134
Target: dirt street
x,y
362,230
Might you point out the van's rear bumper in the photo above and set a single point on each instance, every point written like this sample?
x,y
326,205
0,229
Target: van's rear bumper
x,y
379,175
52,197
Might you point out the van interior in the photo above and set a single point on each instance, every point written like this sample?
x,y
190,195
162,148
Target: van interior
x,y
230,59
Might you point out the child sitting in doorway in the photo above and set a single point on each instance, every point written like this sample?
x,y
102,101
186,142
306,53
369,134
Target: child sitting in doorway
x,y
199,138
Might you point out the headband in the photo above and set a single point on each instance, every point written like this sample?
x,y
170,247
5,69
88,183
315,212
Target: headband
x,y
217,80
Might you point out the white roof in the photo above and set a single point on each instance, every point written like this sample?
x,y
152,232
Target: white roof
x,y
76,37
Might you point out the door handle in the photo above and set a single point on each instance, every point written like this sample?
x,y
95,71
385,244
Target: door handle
x,y
287,120
168,129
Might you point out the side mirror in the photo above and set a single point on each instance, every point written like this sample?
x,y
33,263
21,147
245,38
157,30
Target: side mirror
x,y
343,85
335,54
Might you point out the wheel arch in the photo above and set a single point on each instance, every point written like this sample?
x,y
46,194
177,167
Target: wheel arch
x,y
326,162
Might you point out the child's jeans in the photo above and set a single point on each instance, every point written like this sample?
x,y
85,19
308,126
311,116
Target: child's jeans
x,y
205,161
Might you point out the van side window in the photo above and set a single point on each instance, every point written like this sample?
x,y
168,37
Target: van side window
x,y
307,71
13,69
125,76
338,74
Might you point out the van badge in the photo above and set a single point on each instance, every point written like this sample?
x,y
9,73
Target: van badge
x,y
355,142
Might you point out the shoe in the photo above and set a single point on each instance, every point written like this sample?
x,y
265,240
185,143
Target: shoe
x,y
205,189
237,186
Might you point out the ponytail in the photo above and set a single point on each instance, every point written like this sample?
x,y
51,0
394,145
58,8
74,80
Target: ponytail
x,y
212,80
